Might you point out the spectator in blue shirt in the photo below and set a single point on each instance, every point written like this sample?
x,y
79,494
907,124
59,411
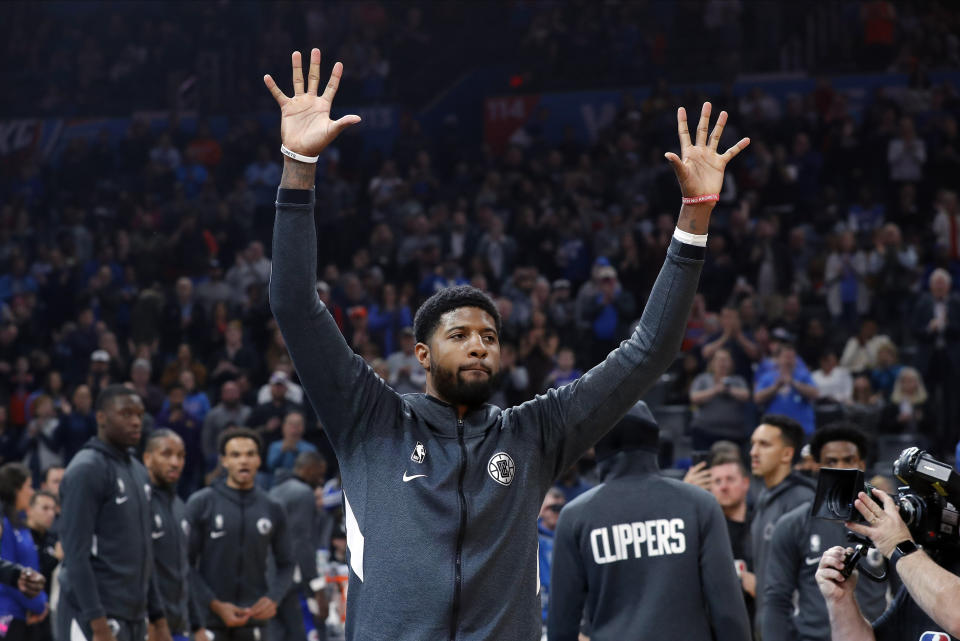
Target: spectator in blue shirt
x,y
284,452
16,545
785,391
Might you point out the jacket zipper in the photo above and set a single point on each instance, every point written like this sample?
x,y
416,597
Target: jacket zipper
x,y
458,563
240,548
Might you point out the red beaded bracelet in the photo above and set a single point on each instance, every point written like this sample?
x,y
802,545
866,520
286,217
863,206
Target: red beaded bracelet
x,y
696,200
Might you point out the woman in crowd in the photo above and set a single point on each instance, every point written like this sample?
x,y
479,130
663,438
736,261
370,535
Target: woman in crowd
x,y
909,411
16,545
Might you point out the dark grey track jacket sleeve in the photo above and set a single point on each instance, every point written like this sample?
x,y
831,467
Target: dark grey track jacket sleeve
x,y
352,395
574,417
301,509
84,492
722,590
200,591
783,565
284,556
566,597
569,419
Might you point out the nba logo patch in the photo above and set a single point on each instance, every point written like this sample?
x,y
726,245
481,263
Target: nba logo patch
x,y
419,453
502,468
934,636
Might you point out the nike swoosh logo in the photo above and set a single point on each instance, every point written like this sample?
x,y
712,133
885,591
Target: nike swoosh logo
x,y
122,499
156,535
217,535
407,479
812,561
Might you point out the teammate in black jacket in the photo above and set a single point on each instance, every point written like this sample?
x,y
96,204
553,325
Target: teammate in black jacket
x,y
648,556
442,489
234,526
164,457
295,494
798,542
107,583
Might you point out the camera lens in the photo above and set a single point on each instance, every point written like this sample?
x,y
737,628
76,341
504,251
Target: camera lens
x,y
837,502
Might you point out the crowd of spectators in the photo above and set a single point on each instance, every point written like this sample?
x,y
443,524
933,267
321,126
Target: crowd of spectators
x,y
148,55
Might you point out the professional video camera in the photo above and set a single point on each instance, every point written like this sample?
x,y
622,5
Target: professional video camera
x,y
927,501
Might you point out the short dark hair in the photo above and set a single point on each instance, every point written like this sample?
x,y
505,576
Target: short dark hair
x,y
790,430
428,315
112,392
839,431
44,493
156,436
229,434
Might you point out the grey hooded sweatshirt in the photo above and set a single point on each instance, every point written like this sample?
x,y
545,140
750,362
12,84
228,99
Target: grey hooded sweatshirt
x,y
441,511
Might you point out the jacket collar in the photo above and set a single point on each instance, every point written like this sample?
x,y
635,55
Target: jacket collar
x,y
112,451
240,497
442,417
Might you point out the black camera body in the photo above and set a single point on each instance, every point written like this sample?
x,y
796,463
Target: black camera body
x,y
927,501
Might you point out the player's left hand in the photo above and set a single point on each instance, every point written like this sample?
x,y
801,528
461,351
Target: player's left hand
x,y
265,608
699,168
885,528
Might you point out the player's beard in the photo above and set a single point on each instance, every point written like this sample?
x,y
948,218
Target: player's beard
x,y
453,388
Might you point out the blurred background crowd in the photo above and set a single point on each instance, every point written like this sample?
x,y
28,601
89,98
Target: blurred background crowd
x,y
830,288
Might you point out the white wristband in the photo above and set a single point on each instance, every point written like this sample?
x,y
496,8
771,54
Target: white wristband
x,y
318,584
292,154
700,240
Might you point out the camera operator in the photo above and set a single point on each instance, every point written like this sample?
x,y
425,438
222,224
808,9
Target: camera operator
x,y
798,542
925,605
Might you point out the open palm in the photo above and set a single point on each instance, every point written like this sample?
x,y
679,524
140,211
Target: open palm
x,y
699,168
305,124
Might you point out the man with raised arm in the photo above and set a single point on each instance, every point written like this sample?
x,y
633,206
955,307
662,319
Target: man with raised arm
x,y
441,490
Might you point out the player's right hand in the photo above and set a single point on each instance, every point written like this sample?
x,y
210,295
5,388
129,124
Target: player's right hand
x,y
833,585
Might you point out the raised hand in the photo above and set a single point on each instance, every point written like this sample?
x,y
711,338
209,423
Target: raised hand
x,y
305,125
699,168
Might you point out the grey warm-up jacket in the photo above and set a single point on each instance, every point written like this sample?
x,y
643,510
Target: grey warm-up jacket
x,y
799,541
171,559
441,511
649,557
300,504
105,529
232,533
773,503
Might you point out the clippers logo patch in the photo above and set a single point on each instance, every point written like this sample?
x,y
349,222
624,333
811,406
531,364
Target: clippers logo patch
x,y
419,453
264,526
815,543
121,488
158,521
502,468
218,522
185,526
